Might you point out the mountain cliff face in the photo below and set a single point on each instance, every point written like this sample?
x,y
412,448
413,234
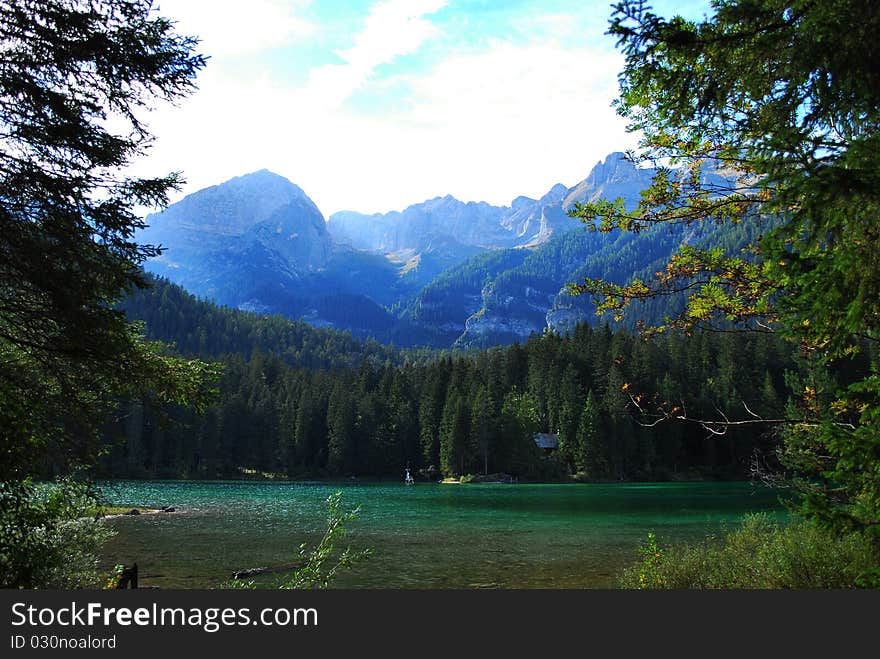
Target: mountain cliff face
x,y
444,218
614,177
532,296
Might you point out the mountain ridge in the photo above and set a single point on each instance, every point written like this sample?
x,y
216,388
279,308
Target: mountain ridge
x,y
525,222
441,272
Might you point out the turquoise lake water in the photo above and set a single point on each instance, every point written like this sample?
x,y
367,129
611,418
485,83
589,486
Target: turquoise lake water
x,y
422,536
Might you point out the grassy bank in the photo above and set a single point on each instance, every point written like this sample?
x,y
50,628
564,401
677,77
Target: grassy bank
x,y
759,554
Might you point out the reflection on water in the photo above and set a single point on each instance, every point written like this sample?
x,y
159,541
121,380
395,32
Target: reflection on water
x,y
423,536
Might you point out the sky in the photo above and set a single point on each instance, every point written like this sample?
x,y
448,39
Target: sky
x,y
373,105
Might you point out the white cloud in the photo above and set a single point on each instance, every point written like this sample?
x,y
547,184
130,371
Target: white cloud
x,y
233,27
392,28
515,84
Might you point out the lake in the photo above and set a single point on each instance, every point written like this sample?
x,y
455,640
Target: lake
x,y
424,535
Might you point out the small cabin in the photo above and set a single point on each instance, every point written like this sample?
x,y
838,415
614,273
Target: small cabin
x,y
546,441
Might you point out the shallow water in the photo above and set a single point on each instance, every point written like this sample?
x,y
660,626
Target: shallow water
x,y
422,536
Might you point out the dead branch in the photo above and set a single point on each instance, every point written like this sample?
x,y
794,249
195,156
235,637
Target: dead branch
x,y
720,426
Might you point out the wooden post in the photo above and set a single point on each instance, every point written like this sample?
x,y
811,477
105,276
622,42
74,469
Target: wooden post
x,y
128,578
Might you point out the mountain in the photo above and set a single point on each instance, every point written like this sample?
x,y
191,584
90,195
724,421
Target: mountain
x,y
429,238
526,222
258,243
529,295
615,177
447,302
514,293
442,273
243,242
418,226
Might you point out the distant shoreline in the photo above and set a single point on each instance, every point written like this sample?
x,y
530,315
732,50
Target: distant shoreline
x,y
472,480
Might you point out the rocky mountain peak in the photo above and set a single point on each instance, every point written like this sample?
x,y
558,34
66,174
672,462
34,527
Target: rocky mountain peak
x,y
614,177
521,202
233,207
556,193
227,241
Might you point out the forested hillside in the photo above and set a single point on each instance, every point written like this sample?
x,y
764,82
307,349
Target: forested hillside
x,y
196,327
303,402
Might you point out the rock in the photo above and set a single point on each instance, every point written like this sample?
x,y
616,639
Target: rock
x,y
133,511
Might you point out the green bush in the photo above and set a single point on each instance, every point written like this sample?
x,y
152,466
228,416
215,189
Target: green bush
x,y
761,553
49,537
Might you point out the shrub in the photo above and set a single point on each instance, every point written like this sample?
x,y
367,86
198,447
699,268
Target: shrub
x,y
761,553
49,537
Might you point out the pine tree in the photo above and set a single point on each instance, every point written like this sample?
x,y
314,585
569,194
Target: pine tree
x,y
519,423
787,94
620,425
341,431
591,457
304,437
454,435
481,428
69,214
569,414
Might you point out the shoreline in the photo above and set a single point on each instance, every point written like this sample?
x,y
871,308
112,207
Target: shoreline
x,y
477,480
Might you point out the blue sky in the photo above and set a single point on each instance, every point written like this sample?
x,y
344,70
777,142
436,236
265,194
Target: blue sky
x,y
372,105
